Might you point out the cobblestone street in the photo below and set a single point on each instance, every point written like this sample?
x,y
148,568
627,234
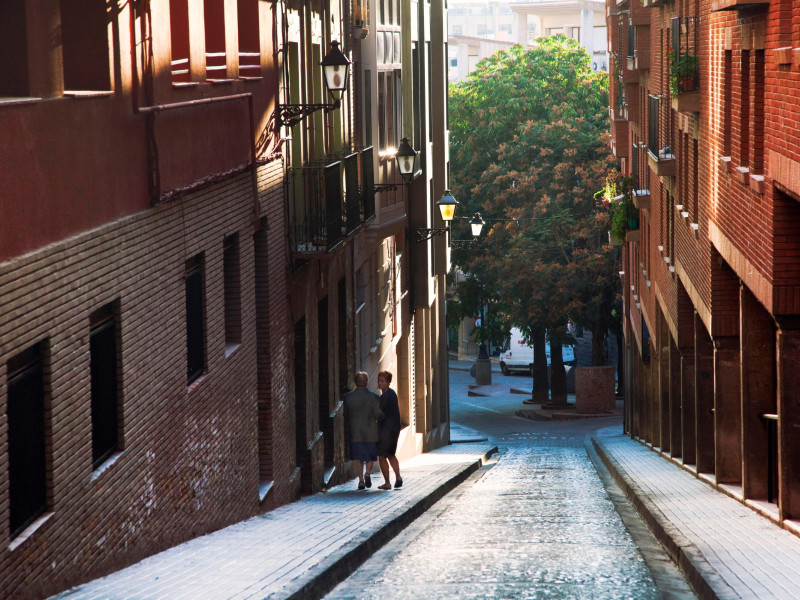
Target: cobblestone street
x,y
537,523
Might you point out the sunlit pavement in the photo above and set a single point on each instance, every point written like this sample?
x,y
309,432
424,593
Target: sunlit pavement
x,y
725,549
539,521
537,524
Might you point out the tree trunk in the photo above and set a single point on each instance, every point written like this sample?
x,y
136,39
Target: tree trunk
x,y
558,376
620,363
540,386
598,346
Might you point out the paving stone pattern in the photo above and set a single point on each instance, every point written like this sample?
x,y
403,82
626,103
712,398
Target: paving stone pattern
x,y
736,552
538,524
274,555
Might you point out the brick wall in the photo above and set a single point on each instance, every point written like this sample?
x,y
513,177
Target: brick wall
x,y
189,462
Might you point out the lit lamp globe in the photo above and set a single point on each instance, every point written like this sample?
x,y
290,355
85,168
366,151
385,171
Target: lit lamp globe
x,y
476,223
447,206
406,158
336,67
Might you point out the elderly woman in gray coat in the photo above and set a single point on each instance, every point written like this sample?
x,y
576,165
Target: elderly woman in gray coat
x,y
361,415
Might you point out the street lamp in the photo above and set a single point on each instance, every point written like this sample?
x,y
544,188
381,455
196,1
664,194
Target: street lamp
x,y
447,208
406,158
476,223
336,68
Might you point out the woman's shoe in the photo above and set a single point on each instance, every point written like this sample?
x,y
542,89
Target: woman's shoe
x,y
385,486
398,483
360,485
367,480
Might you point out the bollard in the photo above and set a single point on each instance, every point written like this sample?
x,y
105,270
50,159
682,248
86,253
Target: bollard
x,y
483,367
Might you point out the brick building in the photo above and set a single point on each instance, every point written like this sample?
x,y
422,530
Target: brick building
x,y
177,327
704,124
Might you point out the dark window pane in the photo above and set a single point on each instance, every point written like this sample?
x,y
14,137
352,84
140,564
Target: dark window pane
x,y
26,444
195,336
105,428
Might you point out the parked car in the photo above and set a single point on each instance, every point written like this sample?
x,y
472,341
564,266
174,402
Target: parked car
x,y
519,356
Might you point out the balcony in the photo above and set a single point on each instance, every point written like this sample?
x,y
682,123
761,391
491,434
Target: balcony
x,y
686,102
323,212
718,5
352,196
660,158
638,48
318,220
619,133
684,65
368,184
633,235
641,199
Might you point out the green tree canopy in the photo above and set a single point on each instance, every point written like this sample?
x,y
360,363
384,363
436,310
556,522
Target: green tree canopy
x,y
529,150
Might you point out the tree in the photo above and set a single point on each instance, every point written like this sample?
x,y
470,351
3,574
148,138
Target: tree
x,y
473,298
529,149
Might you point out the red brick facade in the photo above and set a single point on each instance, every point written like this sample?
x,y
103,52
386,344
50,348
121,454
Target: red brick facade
x,y
158,197
711,285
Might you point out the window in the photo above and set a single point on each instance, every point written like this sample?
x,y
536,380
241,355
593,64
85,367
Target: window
x,y
384,108
179,36
13,49
744,110
457,29
262,330
417,91
27,476
695,187
249,44
195,319
367,107
388,109
726,103
430,90
84,45
104,373
233,293
214,11
757,162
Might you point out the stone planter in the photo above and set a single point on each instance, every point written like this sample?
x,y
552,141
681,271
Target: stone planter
x,y
594,389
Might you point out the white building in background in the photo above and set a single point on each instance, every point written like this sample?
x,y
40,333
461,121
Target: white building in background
x,y
477,29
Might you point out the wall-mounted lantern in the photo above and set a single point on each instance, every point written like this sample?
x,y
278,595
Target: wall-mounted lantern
x,y
336,69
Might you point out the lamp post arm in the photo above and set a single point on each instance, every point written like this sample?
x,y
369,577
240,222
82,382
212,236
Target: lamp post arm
x,y
420,234
292,114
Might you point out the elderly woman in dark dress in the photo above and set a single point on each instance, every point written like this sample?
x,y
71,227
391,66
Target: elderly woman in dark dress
x,y
388,432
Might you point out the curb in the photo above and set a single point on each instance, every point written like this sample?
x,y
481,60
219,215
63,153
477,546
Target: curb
x,y
342,567
704,579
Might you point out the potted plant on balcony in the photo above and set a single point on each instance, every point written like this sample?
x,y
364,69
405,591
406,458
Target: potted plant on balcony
x,y
683,72
615,196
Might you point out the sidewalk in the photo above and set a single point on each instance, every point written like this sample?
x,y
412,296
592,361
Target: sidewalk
x,y
725,549
464,365
300,550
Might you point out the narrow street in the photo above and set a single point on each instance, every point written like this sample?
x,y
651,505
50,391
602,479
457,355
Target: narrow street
x,y
541,521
